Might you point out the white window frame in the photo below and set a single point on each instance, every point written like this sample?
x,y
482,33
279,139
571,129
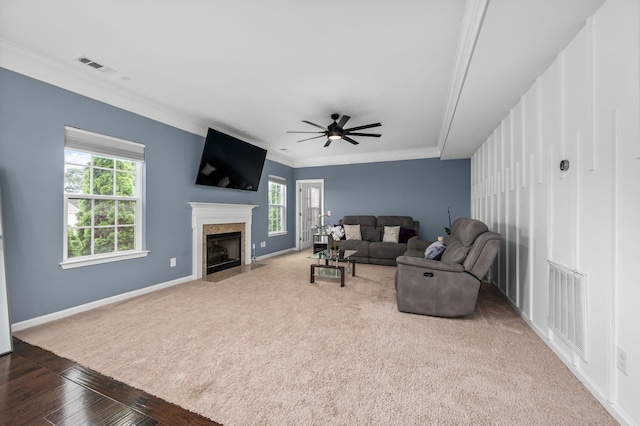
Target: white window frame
x,y
106,146
277,180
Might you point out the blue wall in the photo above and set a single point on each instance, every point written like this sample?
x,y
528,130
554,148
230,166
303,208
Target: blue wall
x,y
423,189
32,119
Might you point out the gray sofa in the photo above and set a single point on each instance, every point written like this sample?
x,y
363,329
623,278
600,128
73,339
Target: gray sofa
x,y
371,249
448,287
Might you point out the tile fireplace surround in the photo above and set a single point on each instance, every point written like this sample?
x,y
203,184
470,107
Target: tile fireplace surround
x,y
214,218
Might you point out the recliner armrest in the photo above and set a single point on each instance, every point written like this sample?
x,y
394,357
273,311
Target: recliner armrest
x,y
414,243
434,265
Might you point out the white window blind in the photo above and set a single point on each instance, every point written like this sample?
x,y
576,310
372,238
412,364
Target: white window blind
x,y
83,140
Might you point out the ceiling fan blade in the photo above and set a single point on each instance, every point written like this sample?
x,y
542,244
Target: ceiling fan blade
x,y
348,139
295,131
328,143
308,139
375,135
366,126
343,120
314,124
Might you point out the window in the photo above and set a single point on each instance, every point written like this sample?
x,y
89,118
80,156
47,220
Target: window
x,y
277,202
102,199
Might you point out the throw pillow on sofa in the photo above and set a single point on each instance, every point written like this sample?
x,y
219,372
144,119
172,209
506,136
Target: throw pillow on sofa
x,y
352,232
391,234
435,250
405,234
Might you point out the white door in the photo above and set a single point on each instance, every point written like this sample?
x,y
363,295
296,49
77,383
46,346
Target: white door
x,y
5,326
310,202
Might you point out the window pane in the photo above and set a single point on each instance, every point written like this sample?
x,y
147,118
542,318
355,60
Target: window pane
x,y
74,177
77,157
275,219
103,162
125,184
126,238
126,212
275,193
125,165
102,182
78,242
79,212
104,240
104,213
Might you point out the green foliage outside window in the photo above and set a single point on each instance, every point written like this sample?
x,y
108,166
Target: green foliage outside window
x,y
111,221
276,207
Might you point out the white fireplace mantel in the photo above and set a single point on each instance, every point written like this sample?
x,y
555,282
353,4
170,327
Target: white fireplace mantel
x,y
213,214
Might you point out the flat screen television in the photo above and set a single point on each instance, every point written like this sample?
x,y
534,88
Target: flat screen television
x,y
228,162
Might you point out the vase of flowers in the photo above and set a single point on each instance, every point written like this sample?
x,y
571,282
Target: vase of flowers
x,y
336,232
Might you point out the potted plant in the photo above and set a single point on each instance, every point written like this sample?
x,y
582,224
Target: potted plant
x,y
448,230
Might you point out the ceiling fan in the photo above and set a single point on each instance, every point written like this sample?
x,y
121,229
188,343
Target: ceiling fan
x,y
336,130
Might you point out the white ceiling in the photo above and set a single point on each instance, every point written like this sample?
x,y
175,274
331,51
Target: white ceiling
x,y
256,68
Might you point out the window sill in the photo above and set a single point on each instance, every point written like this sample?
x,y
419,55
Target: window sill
x,y
277,234
105,258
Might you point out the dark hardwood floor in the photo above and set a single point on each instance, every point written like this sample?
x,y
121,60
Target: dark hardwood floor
x,y
38,387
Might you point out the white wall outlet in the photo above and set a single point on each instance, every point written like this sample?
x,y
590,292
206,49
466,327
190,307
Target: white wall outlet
x,y
622,361
172,262
263,244
253,246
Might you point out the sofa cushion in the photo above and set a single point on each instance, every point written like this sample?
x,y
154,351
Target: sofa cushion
x,y
361,246
352,232
469,230
371,234
386,250
359,220
391,234
455,252
405,234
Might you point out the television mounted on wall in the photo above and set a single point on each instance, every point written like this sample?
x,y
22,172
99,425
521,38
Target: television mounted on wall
x,y
228,162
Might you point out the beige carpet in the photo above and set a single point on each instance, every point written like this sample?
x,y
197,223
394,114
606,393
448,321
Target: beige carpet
x,y
267,347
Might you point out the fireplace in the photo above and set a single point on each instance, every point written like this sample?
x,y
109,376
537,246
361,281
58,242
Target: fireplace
x,y
223,251
214,218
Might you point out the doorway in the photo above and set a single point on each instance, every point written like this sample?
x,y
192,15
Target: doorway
x,y
309,206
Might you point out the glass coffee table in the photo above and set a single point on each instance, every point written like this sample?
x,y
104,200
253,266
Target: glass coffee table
x,y
332,267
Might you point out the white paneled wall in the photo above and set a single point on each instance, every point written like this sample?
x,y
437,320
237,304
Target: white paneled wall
x,y
585,108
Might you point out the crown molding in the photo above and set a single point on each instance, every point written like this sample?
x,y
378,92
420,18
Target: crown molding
x,y
374,157
474,14
280,158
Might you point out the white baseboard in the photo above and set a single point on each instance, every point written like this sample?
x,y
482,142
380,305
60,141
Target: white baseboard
x,y
96,304
113,299
277,253
614,410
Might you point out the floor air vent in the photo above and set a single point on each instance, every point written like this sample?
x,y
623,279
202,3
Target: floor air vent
x,y
567,306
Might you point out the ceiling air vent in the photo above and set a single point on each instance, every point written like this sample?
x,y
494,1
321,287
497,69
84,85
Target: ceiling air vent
x,y
96,65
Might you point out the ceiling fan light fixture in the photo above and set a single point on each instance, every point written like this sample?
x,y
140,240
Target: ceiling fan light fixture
x,y
336,131
334,136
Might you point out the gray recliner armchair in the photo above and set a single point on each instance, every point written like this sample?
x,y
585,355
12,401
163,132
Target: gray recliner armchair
x,y
448,287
